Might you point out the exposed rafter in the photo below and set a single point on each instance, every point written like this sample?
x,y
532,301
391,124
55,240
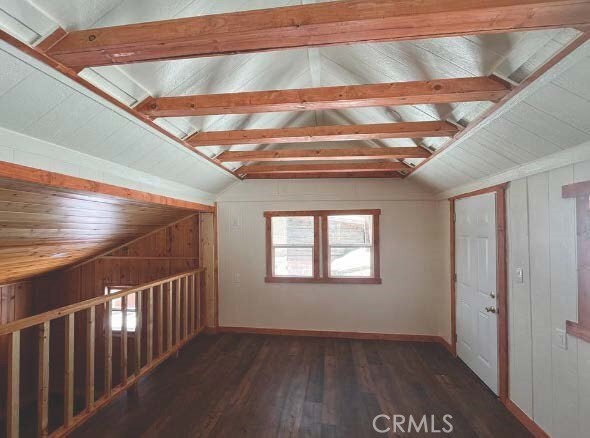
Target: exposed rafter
x,y
390,166
354,96
342,22
311,134
364,153
376,174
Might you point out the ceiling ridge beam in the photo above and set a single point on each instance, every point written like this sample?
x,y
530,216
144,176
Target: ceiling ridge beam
x,y
365,153
470,89
312,25
310,134
389,166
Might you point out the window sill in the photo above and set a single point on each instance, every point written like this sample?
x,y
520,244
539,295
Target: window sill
x,y
322,280
577,330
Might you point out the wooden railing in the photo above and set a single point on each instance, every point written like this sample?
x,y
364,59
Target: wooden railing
x,y
179,296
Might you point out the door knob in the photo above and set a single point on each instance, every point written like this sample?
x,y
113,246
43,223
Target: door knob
x,y
491,309
492,295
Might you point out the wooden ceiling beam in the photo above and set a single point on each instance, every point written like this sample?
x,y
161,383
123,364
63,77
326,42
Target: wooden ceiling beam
x,y
311,99
365,153
316,175
387,166
310,134
312,25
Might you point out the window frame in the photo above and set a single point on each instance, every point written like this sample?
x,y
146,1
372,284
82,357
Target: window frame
x,y
580,192
321,254
107,292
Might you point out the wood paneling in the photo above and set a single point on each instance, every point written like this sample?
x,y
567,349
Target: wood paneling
x,y
310,134
352,96
327,23
45,228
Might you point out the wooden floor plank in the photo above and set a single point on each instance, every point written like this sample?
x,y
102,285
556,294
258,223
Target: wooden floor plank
x,y
267,386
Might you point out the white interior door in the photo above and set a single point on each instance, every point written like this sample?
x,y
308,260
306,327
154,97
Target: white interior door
x,y
476,286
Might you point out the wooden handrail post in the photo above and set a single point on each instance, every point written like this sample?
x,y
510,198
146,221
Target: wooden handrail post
x,y
124,340
138,328
108,349
197,281
150,326
69,369
90,341
13,385
43,380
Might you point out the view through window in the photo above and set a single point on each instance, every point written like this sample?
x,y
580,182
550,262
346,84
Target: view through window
x,y
117,309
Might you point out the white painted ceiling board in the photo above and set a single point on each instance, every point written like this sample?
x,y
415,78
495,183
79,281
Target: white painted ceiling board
x,y
556,118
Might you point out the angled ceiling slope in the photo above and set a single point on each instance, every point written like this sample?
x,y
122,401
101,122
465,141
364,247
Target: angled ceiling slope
x,y
45,228
513,56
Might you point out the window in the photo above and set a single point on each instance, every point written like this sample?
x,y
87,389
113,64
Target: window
x,y
117,309
323,246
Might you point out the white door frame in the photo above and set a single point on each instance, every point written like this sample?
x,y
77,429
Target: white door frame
x,y
501,274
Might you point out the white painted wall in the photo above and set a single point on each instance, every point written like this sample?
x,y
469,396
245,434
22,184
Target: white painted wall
x,y
415,282
549,383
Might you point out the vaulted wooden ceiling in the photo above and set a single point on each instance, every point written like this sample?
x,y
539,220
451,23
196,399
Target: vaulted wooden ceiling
x,y
43,228
413,77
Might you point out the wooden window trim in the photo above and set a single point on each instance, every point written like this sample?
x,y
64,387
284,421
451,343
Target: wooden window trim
x,y
320,247
118,333
581,193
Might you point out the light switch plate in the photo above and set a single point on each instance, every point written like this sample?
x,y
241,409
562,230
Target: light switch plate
x,y
560,338
519,275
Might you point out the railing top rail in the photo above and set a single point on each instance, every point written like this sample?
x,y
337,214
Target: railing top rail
x,y
34,320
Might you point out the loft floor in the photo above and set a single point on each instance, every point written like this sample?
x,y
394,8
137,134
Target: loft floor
x,y
270,386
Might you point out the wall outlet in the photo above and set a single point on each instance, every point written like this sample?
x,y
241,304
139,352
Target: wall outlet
x,y
236,277
560,338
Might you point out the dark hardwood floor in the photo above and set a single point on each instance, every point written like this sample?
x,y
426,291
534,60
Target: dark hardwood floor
x,y
271,386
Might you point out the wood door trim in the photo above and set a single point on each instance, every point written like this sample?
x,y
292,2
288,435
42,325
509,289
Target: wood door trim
x,y
501,280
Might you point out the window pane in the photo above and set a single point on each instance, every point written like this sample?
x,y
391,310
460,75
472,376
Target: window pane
x,y
117,321
350,262
295,230
350,230
131,301
293,262
117,304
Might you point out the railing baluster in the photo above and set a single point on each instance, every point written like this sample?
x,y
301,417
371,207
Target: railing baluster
x,y
108,348
191,304
197,280
138,327
178,297
13,396
150,326
69,369
90,340
184,282
161,321
169,333
43,380
124,340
